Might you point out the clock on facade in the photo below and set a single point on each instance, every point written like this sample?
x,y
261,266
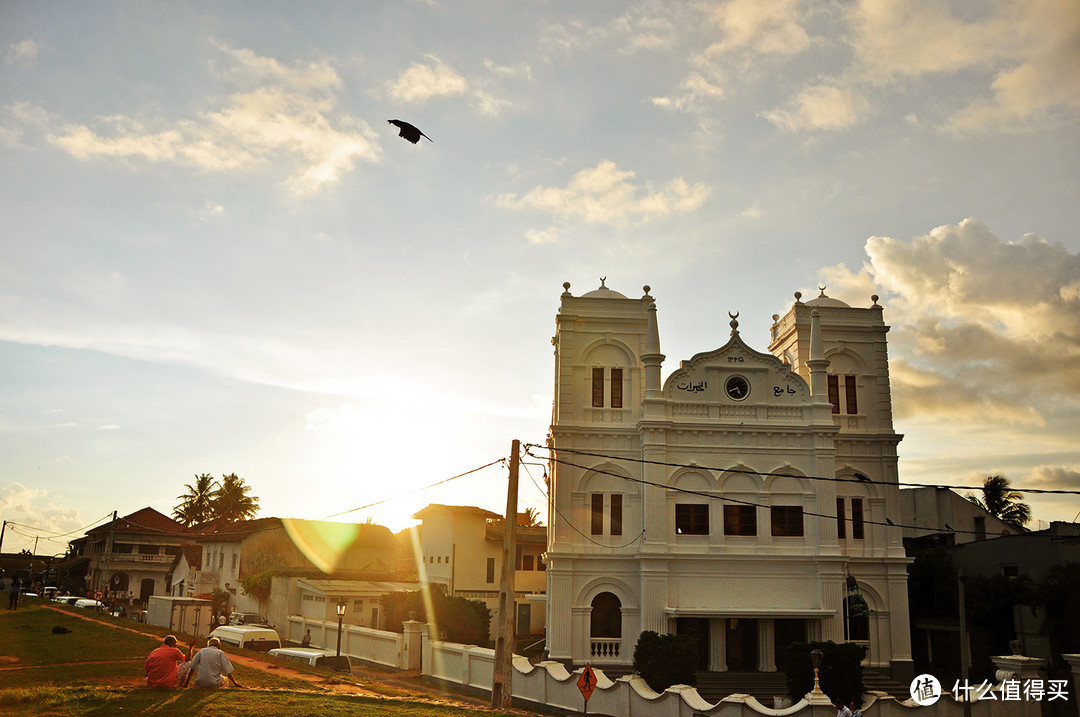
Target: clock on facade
x,y
737,388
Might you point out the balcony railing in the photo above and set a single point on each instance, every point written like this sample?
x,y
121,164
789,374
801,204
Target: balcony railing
x,y
605,648
137,558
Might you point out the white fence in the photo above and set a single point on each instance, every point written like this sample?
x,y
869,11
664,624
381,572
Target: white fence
x,y
552,685
377,647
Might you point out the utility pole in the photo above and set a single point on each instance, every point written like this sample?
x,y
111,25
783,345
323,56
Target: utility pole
x,y
105,556
501,687
964,656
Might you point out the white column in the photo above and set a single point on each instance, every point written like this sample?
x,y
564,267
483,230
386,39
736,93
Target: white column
x,y
718,644
766,645
1074,663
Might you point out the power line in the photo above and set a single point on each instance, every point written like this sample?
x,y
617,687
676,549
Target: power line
x,y
432,485
711,496
835,479
60,535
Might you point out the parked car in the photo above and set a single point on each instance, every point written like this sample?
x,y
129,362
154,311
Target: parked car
x,y
250,637
91,604
49,592
313,657
248,618
67,599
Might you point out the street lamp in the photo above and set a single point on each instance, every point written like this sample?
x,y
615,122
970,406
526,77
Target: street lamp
x,y
815,657
340,617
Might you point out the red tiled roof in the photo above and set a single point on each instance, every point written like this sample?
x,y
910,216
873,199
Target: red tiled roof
x,y
146,519
193,555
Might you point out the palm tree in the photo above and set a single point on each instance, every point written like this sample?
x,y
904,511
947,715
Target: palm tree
x,y
232,502
999,499
197,504
530,518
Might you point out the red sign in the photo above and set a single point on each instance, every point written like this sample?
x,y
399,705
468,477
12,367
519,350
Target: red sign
x,y
98,594
587,682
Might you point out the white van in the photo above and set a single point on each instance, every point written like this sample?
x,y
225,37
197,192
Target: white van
x,y
313,657
259,639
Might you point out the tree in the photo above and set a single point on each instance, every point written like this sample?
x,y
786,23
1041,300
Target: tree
x,y
1059,596
530,518
197,504
258,586
1000,500
666,660
231,501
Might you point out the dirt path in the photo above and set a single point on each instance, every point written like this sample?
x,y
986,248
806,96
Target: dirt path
x,y
407,681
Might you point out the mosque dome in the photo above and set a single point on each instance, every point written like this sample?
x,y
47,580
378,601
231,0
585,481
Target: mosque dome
x,y
603,293
822,300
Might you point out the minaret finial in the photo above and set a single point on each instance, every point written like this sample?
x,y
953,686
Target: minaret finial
x,y
602,280
734,323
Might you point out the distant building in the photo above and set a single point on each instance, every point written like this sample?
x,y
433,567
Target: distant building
x,y
291,549
129,559
461,549
938,517
736,501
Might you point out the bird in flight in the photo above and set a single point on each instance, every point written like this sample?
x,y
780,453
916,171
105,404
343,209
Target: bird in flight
x,y
409,132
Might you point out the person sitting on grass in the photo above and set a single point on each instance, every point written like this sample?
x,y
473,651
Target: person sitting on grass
x,y
161,664
211,666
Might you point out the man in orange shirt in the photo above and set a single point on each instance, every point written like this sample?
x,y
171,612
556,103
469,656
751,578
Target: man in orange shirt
x,y
161,664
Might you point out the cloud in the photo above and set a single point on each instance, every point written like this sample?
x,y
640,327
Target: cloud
x,y
697,87
24,51
421,82
991,67
984,330
822,107
765,28
604,194
1054,477
36,514
282,116
1030,49
537,237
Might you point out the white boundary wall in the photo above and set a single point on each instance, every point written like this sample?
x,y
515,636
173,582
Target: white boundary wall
x,y
552,685
386,649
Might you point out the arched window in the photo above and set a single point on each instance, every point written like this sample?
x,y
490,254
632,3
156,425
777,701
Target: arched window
x,y
856,618
605,628
606,616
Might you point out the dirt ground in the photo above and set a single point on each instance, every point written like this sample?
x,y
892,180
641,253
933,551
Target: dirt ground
x,y
408,681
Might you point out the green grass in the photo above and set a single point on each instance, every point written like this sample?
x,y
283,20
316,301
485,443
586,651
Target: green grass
x,y
97,669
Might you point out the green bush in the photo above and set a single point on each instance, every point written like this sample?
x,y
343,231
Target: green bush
x,y
666,660
462,620
840,675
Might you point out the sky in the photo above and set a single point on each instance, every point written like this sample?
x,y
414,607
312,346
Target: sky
x,y
217,257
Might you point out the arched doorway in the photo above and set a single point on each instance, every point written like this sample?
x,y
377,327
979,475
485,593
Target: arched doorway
x,y
118,583
605,627
146,589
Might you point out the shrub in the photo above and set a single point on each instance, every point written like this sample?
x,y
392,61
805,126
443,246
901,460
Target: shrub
x,y
462,620
665,660
840,674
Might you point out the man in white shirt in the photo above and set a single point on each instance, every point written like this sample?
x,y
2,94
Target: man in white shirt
x,y
211,666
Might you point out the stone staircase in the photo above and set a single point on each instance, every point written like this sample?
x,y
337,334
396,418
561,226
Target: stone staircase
x,y
763,686
880,682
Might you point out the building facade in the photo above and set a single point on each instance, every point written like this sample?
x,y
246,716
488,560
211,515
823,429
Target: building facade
x,y
129,559
461,549
744,500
